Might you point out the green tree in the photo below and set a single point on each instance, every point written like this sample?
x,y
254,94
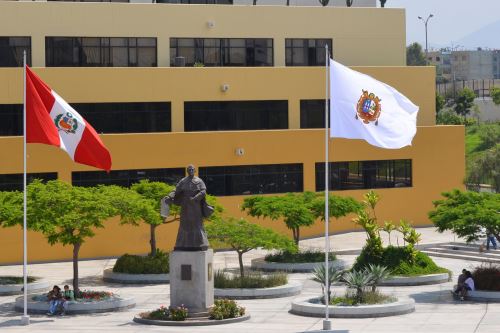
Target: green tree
x,y
243,236
152,193
382,3
414,55
489,135
294,209
483,169
62,213
337,206
467,213
464,102
495,95
440,102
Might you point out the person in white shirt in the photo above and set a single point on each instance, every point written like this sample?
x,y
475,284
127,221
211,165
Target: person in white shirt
x,y
468,285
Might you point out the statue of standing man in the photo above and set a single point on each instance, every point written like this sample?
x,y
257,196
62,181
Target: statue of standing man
x,y
189,194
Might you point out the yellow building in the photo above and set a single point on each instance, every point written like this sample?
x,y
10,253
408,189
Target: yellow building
x,y
250,119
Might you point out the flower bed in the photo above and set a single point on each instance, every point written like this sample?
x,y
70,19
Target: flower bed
x,y
223,280
299,257
13,285
301,262
313,307
222,312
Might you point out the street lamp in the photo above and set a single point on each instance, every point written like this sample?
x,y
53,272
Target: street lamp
x,y
425,22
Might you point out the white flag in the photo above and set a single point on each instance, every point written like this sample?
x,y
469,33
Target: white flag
x,y
364,108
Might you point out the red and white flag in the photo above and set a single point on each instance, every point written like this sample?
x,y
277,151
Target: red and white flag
x,y
52,121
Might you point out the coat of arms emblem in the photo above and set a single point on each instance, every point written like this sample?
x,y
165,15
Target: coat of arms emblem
x,y
66,122
368,107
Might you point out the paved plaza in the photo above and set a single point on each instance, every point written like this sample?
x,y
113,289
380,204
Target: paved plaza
x,y
436,311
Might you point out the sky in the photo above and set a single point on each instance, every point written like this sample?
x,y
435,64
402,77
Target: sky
x,y
453,21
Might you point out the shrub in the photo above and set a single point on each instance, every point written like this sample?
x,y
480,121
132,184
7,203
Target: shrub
x,y
224,309
299,257
254,280
132,264
487,277
179,313
369,298
399,261
15,279
158,314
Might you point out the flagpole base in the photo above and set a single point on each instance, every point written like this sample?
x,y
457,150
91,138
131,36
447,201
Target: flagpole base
x,y
25,320
327,325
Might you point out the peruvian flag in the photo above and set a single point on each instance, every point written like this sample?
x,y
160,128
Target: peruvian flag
x,y
52,121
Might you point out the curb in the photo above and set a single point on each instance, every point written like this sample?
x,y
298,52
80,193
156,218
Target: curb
x,y
116,304
124,278
203,322
261,264
416,280
15,289
289,289
304,307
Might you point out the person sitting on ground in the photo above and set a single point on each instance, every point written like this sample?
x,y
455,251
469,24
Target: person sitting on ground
x,y
68,295
55,300
460,281
467,286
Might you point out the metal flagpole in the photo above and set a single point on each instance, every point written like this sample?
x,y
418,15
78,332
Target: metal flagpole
x,y
25,319
327,325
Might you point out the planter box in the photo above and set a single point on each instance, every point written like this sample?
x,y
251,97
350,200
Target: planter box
x,y
15,289
307,267
290,289
416,280
483,296
192,322
312,308
125,278
112,304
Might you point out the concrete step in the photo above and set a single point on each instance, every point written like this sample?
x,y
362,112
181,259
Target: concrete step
x,y
471,246
461,256
472,252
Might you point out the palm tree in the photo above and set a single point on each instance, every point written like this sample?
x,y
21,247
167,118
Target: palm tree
x,y
378,273
357,280
334,275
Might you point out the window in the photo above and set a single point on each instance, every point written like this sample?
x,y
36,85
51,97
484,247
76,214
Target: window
x,y
11,119
100,52
365,174
312,113
253,179
14,182
11,51
91,0
235,115
126,177
144,117
251,52
438,59
306,52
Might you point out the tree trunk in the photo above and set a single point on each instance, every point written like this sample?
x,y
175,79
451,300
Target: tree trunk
x,y
240,260
254,2
296,235
76,250
152,239
288,2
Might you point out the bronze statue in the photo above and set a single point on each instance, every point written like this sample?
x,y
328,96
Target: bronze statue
x,y
190,195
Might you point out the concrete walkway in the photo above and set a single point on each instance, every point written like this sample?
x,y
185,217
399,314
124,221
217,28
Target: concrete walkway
x,y
436,311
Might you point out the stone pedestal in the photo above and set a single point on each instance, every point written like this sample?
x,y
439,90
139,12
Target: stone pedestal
x,y
192,280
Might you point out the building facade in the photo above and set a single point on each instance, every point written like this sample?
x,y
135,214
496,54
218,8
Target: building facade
x,y
464,65
246,107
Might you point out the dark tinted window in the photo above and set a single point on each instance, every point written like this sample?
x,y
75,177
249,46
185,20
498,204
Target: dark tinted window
x,y
202,2
230,116
253,179
365,174
222,51
144,117
100,52
312,113
14,182
11,51
11,119
126,177
306,52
